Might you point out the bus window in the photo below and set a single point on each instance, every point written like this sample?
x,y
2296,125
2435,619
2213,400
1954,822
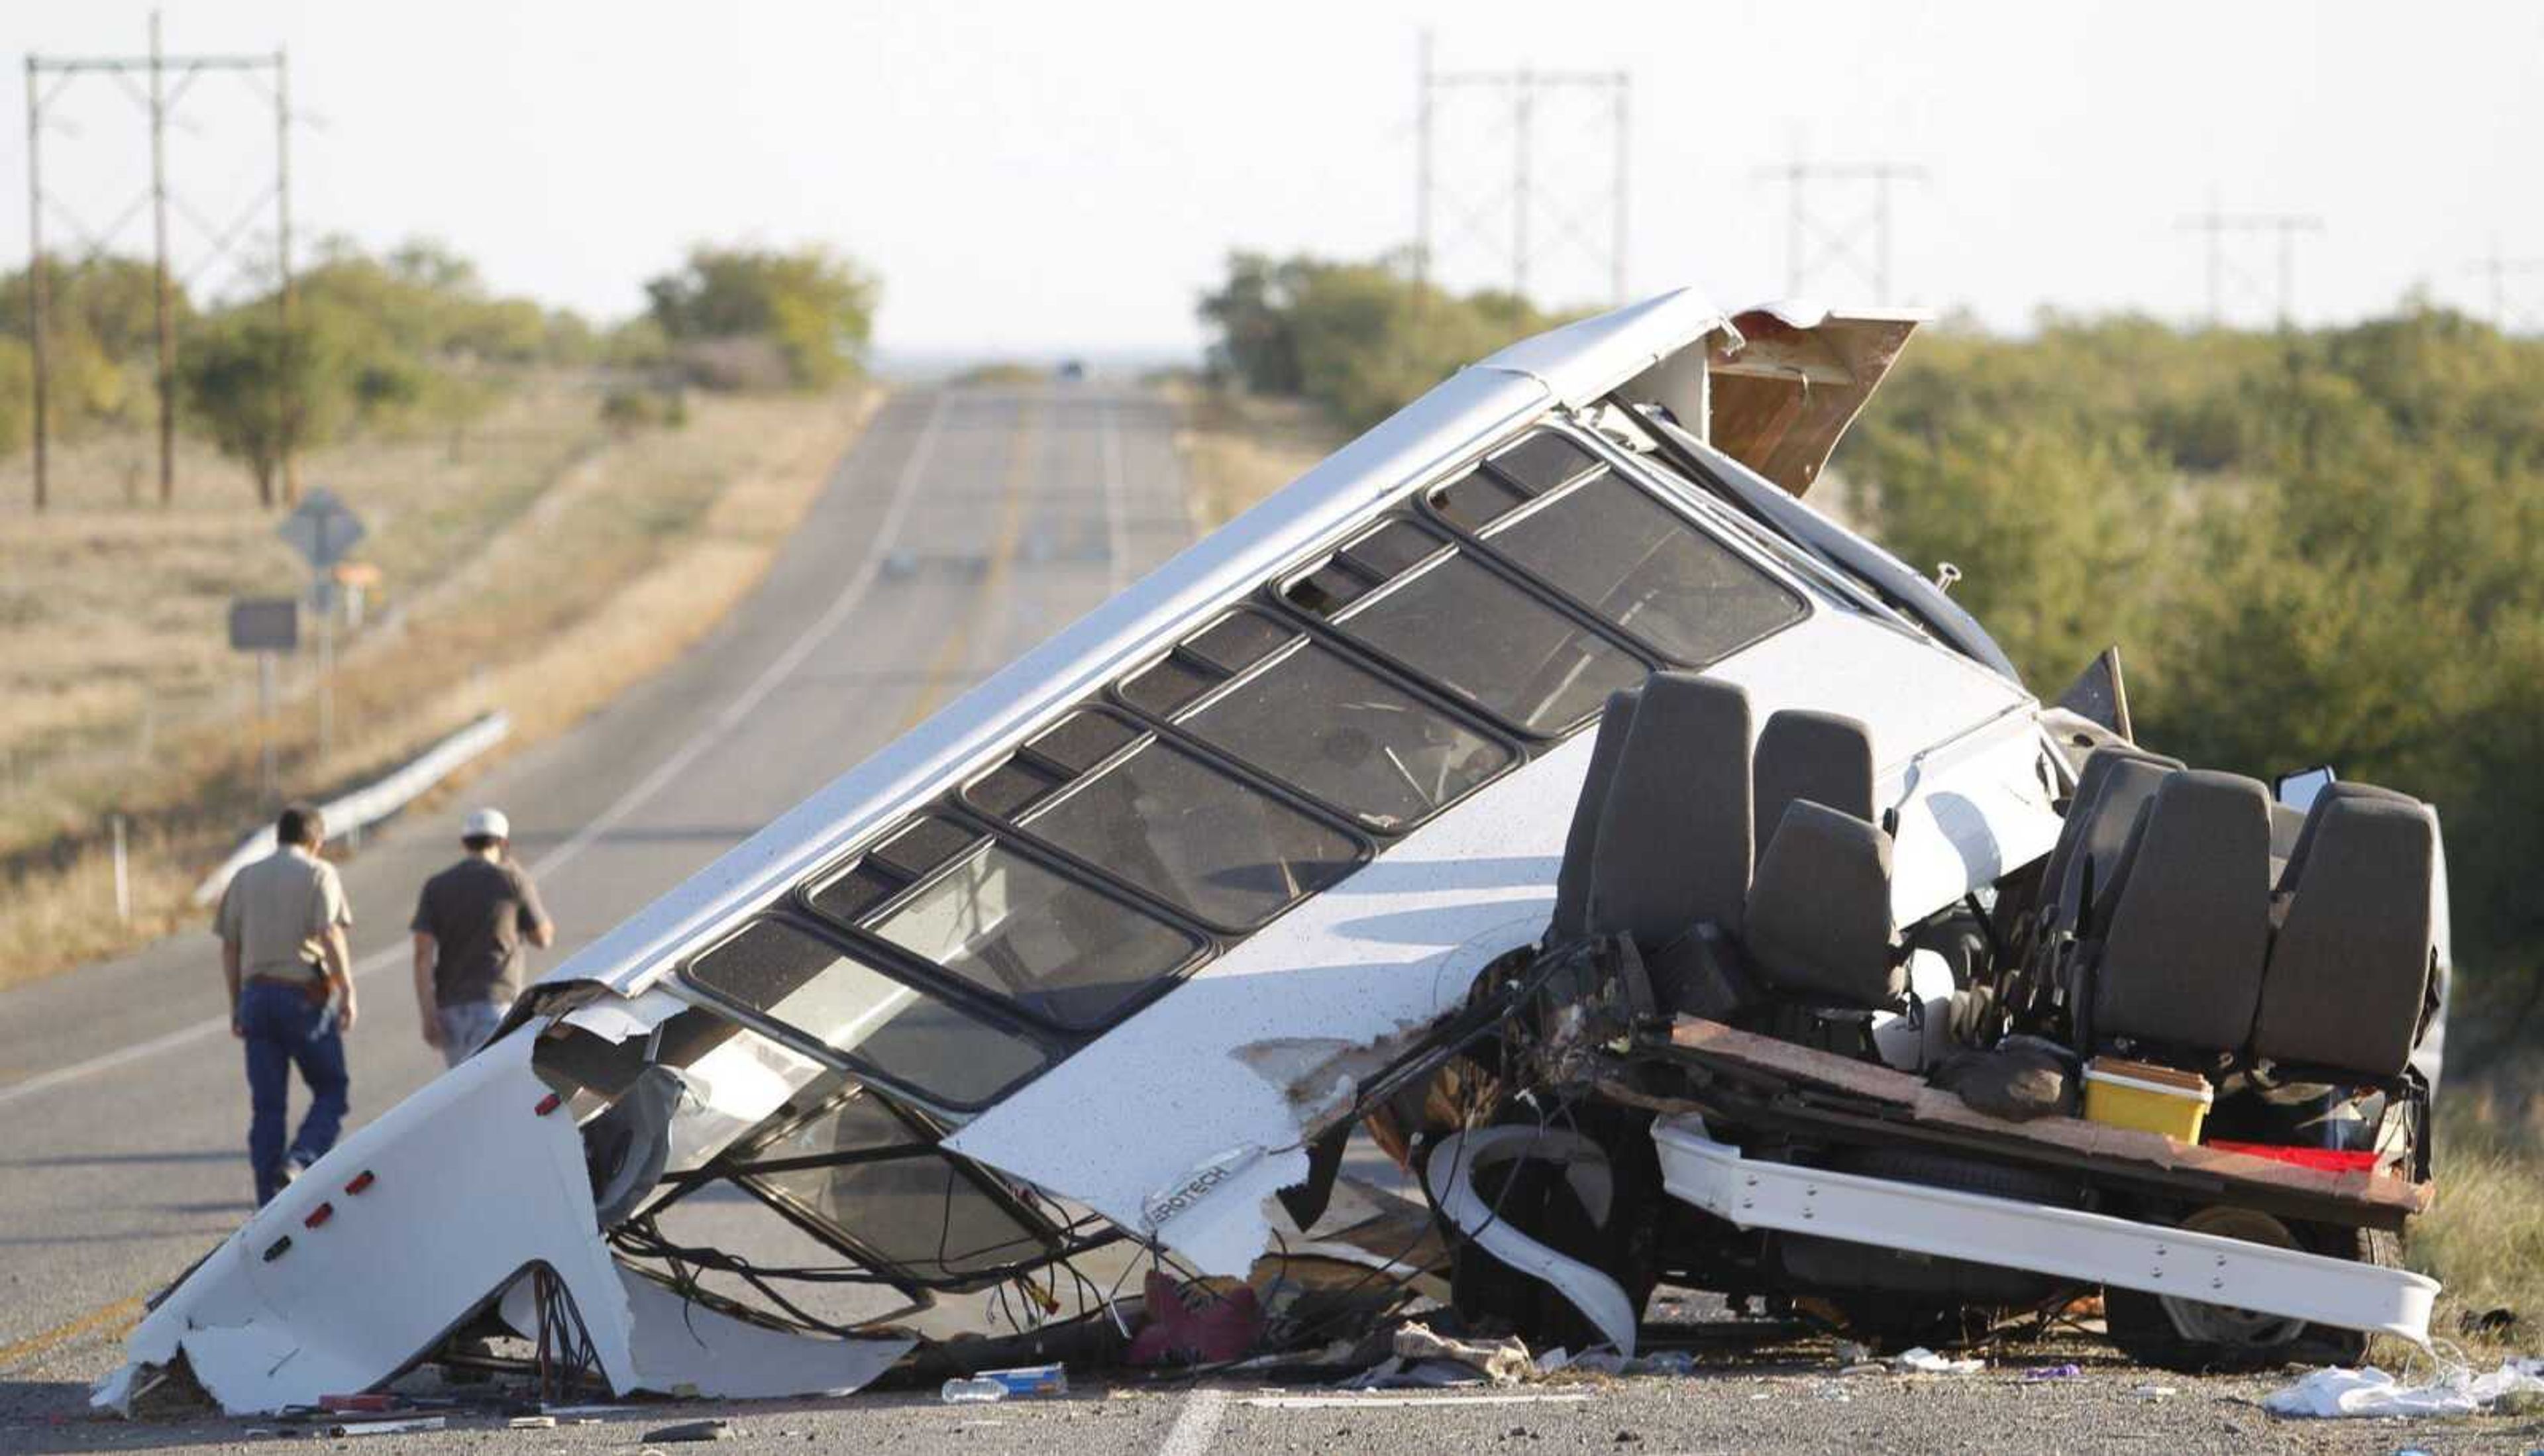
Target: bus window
x,y
920,1216
1062,950
1634,561
866,1015
1317,721
1471,631
1177,825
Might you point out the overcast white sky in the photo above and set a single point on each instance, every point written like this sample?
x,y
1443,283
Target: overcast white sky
x,y
1038,177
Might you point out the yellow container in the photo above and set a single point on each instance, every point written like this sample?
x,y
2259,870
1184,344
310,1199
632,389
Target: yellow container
x,y
2146,1097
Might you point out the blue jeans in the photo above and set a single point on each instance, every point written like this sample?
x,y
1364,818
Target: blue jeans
x,y
465,1028
283,1029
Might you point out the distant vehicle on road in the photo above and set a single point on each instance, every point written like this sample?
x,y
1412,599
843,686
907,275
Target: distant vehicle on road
x,y
1070,369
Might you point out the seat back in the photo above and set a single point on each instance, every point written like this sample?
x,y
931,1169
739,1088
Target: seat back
x,y
2178,958
2336,792
2116,785
1819,926
2351,965
1673,844
1572,875
1805,757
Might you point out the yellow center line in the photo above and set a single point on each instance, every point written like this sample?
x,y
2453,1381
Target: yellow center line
x,y
123,1315
949,661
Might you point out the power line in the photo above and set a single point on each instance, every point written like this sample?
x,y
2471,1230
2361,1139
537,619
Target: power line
x,y
2499,271
1811,243
159,100
2218,225
1522,89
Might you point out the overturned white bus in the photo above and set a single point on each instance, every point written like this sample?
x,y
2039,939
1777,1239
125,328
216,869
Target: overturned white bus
x,y
1677,887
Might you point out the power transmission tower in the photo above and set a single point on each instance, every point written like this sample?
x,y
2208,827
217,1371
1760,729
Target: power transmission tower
x,y
1811,242
159,99
2219,226
2499,271
1523,90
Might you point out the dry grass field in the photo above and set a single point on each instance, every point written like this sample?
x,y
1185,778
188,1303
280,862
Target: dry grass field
x,y
539,549
1239,447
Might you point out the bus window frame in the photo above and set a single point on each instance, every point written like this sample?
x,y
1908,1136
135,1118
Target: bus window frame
x,y
1143,732
1428,509
1409,508
1308,635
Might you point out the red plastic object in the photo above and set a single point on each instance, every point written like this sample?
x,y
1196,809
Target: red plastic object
x,y
367,1402
319,1215
2321,1160
362,1180
549,1103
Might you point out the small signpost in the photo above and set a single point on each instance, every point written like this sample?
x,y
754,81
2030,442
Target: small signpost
x,y
323,529
264,626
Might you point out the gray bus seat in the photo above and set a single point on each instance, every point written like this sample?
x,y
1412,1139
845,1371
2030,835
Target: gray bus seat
x,y
1819,926
2177,960
2349,968
1673,843
1572,874
2114,784
1810,757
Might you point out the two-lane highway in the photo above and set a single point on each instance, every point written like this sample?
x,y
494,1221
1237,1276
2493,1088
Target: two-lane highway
x,y
966,526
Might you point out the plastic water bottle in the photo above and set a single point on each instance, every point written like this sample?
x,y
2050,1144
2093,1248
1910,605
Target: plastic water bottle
x,y
973,1391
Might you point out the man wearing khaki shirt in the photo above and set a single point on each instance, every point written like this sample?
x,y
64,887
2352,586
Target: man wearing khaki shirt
x,y
283,923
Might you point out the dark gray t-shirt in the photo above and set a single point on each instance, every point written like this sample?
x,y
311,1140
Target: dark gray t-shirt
x,y
477,913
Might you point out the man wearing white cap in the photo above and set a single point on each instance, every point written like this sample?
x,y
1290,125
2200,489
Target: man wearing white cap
x,y
469,926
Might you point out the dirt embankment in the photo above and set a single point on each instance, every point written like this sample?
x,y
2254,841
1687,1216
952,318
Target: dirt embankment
x,y
541,564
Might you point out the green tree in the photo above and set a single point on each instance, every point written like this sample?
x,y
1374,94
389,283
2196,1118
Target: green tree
x,y
811,306
253,397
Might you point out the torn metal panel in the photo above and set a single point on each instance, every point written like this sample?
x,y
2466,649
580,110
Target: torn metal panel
x,y
681,1347
461,1189
1786,380
2094,1248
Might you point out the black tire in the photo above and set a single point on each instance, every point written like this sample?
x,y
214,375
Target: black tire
x,y
2146,1332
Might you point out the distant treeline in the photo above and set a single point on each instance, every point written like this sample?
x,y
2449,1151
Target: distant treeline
x,y
406,340
2319,546
2312,547
1361,339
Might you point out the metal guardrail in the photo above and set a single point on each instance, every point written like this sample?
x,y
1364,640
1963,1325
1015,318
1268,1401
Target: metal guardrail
x,y
374,801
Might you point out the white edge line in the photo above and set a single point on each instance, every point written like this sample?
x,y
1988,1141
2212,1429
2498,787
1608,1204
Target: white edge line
x,y
1196,1424
905,491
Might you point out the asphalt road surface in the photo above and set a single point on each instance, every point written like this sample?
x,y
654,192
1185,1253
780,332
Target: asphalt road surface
x,y
963,529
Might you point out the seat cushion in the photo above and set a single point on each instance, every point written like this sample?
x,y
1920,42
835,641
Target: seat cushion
x,y
1819,926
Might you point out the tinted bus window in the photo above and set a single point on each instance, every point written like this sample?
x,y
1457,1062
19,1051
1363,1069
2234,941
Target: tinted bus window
x,y
1613,548
1315,720
918,1215
1471,631
1159,817
867,1015
1012,927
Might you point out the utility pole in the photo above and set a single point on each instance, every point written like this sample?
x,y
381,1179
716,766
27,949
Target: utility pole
x,y
2499,271
38,281
2217,225
167,79
1422,176
1523,90
167,325
1838,243
287,416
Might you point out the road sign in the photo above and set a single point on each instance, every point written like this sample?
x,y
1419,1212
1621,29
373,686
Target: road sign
x,y
265,623
322,529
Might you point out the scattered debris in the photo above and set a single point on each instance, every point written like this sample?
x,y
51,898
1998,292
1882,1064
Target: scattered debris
x,y
1923,1361
2054,1372
1729,913
2453,1389
2155,1392
531,1422
1377,1402
692,1431
389,1427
